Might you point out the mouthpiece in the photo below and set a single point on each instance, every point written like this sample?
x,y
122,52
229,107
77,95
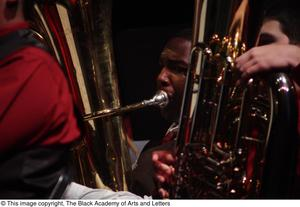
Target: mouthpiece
x,y
159,99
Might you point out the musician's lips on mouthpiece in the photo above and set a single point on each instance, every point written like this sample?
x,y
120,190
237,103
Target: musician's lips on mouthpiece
x,y
169,94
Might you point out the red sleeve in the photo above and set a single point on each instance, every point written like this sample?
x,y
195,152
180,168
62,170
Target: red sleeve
x,y
38,108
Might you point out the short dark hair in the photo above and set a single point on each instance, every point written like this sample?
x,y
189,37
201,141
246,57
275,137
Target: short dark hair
x,y
287,13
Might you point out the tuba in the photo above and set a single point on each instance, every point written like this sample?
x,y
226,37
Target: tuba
x,y
78,33
235,140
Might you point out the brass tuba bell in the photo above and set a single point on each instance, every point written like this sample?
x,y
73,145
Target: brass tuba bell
x,y
79,36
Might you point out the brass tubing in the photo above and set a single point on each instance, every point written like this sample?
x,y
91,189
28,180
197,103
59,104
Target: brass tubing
x,y
159,99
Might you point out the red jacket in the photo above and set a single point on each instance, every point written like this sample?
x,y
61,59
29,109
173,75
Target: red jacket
x,y
36,107
37,120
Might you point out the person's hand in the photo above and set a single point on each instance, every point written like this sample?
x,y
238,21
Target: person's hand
x,y
164,170
268,57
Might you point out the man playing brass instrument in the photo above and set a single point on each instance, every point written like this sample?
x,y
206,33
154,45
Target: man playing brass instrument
x,y
278,48
38,124
174,62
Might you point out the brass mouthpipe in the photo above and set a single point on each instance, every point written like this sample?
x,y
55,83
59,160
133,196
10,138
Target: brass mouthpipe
x,y
159,99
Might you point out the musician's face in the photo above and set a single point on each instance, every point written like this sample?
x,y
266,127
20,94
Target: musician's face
x,y
271,32
174,62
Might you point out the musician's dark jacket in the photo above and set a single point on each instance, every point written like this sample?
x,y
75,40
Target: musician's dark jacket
x,y
143,173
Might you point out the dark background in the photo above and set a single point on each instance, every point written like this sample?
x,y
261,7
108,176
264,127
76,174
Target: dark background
x,y
140,30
